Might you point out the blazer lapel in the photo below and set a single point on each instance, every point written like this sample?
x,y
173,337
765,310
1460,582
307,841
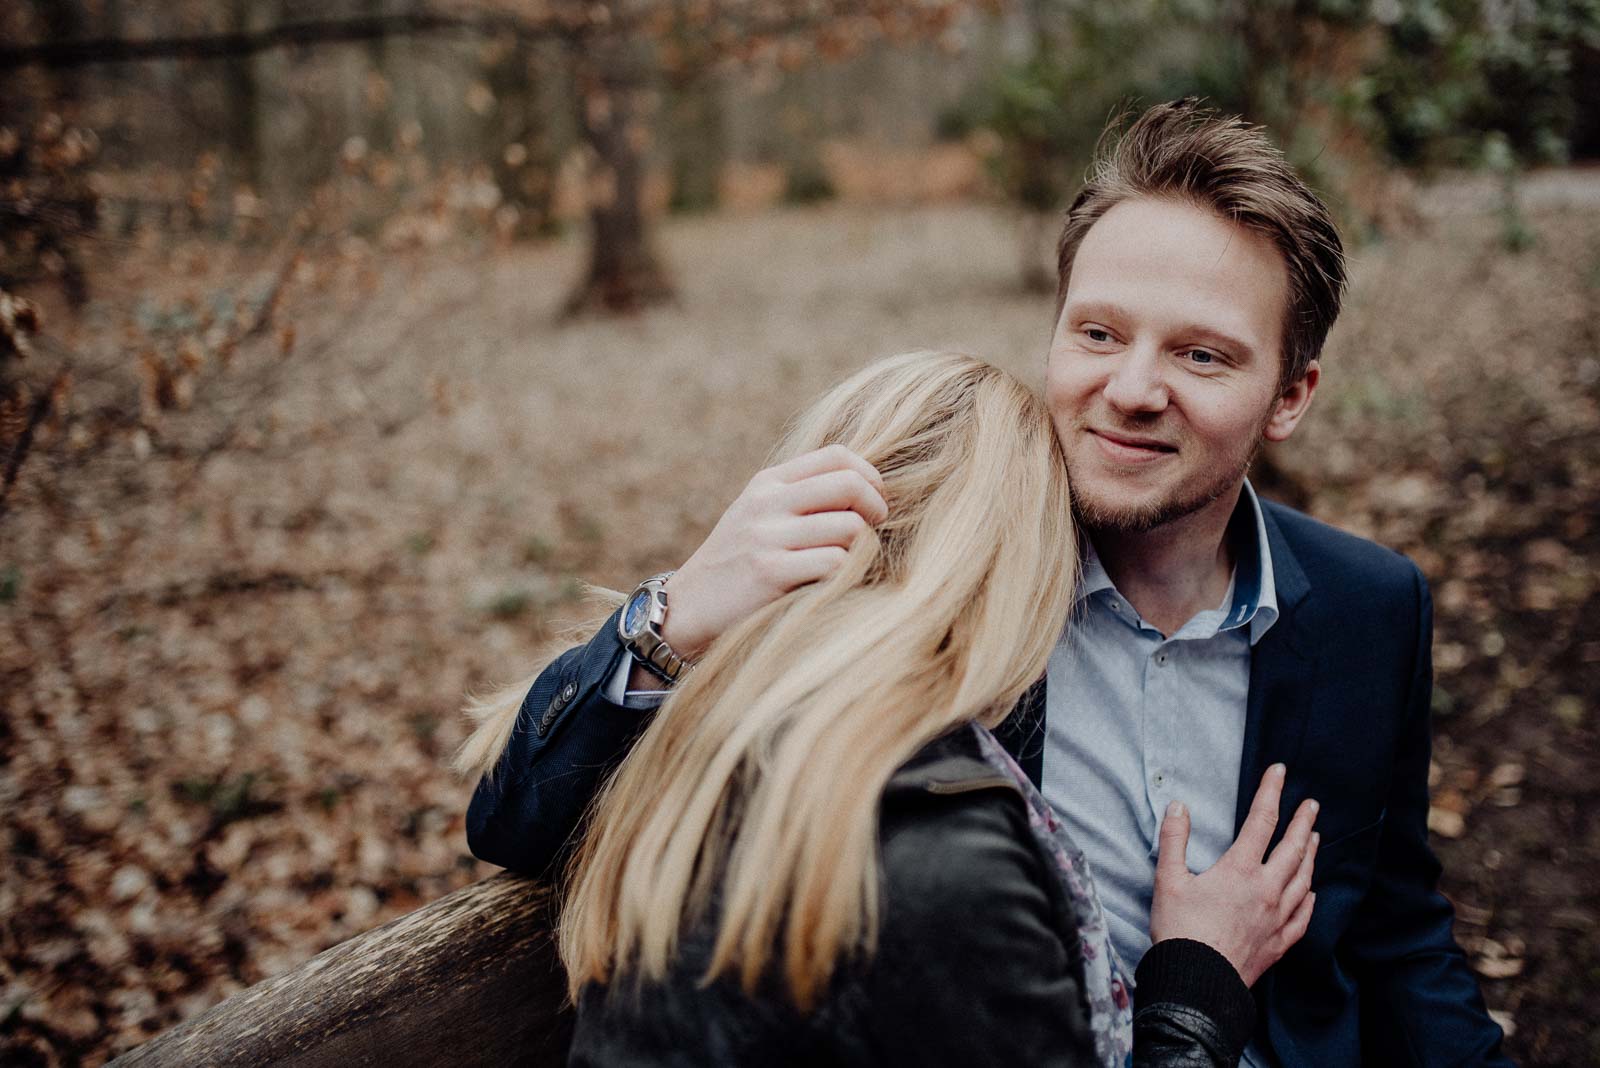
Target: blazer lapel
x,y
1283,668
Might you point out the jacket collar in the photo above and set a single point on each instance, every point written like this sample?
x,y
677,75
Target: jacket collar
x,y
950,764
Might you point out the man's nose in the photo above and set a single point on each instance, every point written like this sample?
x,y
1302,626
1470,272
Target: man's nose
x,y
1136,385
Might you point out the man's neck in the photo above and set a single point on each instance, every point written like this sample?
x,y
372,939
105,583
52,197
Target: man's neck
x,y
1176,570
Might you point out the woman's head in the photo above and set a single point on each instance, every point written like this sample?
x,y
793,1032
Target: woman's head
x,y
759,779
978,532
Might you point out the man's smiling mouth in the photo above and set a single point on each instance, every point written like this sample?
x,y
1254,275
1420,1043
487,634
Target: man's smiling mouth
x,y
1131,445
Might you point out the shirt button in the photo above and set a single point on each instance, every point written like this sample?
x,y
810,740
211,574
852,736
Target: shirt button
x,y
1158,778
1161,659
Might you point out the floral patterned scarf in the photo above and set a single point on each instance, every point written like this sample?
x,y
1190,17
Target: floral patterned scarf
x,y
1105,989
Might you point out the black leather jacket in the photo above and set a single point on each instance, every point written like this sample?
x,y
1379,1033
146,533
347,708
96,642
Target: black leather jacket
x,y
977,962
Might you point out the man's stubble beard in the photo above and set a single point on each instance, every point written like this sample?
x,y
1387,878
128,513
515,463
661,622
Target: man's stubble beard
x,y
1109,518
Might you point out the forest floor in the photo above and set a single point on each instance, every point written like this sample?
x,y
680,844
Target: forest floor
x,y
234,639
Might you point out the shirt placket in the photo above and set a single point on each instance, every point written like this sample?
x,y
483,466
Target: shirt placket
x,y
1160,688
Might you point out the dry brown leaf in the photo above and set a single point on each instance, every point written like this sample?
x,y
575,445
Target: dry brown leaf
x,y
1498,968
1445,823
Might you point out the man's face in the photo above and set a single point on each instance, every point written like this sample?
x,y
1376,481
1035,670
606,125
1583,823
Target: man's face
x,y
1163,378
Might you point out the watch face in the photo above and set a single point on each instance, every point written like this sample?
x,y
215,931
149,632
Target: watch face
x,y
637,614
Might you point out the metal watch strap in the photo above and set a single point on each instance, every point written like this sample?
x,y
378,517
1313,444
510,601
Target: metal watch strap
x,y
650,648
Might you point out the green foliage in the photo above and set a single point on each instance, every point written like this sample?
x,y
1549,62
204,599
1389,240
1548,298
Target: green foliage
x,y
1515,233
1425,82
1040,140
1453,73
1047,110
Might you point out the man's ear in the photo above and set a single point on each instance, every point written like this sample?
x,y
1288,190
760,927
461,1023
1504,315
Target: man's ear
x,y
1292,404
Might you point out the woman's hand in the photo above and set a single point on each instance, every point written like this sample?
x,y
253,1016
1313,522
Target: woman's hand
x,y
1248,909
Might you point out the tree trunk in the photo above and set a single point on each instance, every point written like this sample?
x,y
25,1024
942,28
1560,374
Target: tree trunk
x,y
518,145
242,106
63,21
624,273
472,979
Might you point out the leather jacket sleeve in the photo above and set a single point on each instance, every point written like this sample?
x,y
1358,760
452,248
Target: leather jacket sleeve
x,y
567,739
972,967
1191,1008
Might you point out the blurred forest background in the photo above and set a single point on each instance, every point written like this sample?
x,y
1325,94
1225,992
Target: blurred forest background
x,y
340,342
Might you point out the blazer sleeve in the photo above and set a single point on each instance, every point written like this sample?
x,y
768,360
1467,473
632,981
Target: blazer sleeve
x,y
972,969
1420,1002
567,740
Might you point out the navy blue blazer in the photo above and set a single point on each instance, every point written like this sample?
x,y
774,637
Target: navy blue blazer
x,y
1340,689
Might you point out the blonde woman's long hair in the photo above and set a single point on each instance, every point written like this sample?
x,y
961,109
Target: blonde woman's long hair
x,y
760,778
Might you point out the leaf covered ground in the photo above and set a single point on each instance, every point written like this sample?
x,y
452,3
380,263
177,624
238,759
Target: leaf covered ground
x,y
235,632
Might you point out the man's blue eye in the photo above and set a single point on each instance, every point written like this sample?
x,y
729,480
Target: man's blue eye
x,y
1201,356
1097,335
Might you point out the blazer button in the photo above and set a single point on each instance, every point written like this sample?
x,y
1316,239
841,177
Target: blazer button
x,y
562,700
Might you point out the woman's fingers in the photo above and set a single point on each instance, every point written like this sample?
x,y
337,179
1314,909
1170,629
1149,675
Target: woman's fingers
x,y
1298,924
1287,853
1300,886
1256,833
1171,860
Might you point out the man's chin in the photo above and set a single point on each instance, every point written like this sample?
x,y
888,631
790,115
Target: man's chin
x,y
1135,513
1120,518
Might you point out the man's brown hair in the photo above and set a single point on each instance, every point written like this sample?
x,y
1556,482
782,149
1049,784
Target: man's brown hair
x,y
1186,151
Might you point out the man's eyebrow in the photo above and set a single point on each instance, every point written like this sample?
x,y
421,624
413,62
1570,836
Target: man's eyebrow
x,y
1226,342
1102,309
1095,309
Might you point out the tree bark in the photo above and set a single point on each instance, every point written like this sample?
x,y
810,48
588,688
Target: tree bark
x,y
624,273
242,110
472,979
518,143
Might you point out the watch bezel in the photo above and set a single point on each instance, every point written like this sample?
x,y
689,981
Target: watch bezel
x,y
644,618
645,642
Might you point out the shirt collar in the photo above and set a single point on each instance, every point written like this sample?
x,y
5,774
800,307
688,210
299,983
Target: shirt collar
x,y
1255,593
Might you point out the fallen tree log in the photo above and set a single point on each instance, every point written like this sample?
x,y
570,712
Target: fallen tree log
x,y
471,979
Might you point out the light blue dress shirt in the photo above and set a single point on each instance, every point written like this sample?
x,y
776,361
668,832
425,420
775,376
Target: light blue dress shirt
x,y
1136,719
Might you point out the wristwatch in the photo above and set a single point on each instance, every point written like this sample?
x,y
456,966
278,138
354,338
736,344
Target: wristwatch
x,y
639,627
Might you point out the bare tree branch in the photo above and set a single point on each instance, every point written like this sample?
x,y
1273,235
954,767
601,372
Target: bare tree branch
x,y
59,54
720,26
